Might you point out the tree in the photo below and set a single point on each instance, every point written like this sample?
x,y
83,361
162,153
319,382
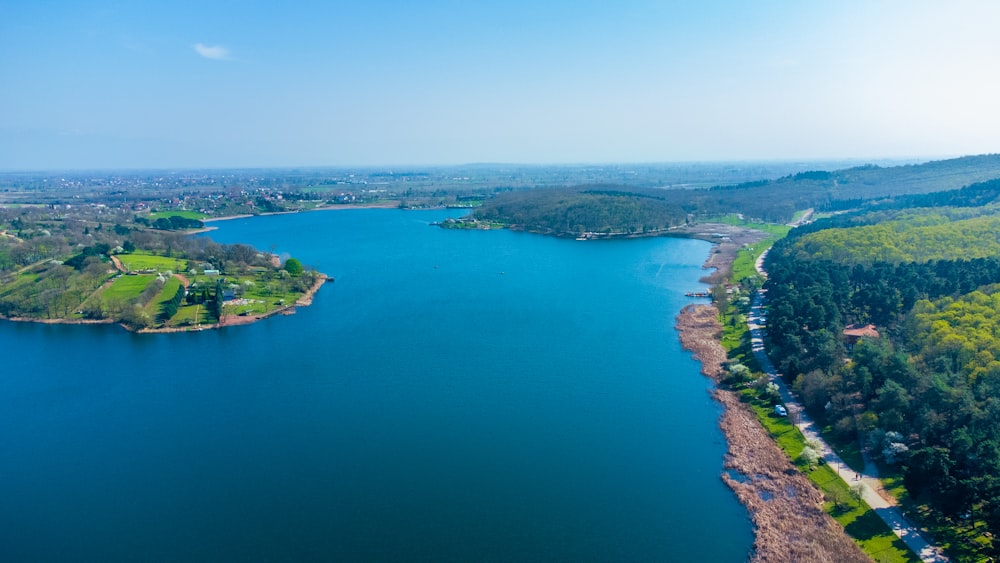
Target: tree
x,y
215,305
169,308
857,493
293,266
809,456
814,388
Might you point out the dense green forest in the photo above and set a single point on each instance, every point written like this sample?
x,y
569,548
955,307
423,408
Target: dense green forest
x,y
924,396
916,236
595,209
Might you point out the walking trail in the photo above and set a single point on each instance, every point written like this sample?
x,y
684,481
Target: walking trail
x,y
871,488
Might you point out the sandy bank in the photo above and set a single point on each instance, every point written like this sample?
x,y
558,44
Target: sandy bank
x,y
228,218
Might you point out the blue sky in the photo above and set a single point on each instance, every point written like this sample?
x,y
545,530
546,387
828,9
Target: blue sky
x,y
97,84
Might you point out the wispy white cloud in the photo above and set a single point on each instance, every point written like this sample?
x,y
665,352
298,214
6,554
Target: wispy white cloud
x,y
214,52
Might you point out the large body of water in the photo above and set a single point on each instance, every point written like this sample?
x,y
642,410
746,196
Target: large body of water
x,y
454,396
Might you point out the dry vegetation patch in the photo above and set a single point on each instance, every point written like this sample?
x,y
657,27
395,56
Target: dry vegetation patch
x,y
786,509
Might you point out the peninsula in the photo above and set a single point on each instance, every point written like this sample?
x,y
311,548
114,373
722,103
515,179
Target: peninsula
x,y
86,264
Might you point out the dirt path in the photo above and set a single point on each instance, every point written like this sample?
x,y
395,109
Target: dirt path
x,y
118,265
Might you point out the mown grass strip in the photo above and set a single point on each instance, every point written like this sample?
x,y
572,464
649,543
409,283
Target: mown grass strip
x,y
127,288
142,261
178,213
155,305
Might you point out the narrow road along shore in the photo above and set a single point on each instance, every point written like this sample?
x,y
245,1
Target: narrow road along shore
x,y
872,491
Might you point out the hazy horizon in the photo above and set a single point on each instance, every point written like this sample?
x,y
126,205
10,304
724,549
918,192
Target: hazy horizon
x,y
403,168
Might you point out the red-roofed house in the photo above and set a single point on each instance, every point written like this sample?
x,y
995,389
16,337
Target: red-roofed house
x,y
853,333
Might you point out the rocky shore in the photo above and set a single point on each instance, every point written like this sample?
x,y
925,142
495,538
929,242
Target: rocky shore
x,y
786,509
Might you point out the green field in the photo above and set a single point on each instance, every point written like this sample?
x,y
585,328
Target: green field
x,y
166,293
12,283
190,315
127,288
178,213
138,261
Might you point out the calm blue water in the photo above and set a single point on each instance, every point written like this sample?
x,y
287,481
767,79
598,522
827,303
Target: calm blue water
x,y
454,396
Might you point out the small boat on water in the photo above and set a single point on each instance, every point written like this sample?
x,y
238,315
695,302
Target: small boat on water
x,y
698,294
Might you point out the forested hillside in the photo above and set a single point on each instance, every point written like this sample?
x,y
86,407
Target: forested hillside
x,y
569,211
924,396
622,210
911,237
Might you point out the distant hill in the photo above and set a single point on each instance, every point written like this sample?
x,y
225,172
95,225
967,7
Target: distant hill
x,y
622,210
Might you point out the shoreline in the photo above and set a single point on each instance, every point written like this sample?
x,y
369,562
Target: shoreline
x,y
785,509
334,207
392,204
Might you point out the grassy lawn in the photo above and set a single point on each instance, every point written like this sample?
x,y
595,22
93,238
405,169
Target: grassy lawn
x,y
190,315
744,265
17,281
860,521
254,307
141,261
179,213
786,434
127,288
848,450
155,304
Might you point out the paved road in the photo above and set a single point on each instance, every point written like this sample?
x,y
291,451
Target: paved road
x,y
872,491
